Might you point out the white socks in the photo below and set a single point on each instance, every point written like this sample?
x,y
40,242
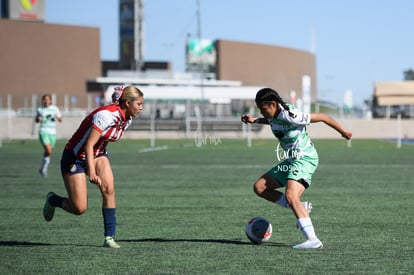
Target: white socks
x,y
306,226
45,163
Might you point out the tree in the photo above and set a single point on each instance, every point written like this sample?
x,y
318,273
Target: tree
x,y
409,74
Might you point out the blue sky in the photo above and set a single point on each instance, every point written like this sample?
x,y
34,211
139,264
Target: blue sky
x,y
357,42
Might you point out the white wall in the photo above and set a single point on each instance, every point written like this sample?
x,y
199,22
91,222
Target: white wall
x,y
25,128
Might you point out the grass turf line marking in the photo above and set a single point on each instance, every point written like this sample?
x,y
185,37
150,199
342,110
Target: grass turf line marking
x,y
153,149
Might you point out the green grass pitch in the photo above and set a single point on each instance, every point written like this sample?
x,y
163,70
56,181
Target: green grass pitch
x,y
183,210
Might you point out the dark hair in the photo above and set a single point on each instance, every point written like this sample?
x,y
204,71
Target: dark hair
x,y
267,95
46,95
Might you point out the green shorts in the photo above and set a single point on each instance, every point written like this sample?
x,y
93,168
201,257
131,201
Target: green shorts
x,y
47,139
300,170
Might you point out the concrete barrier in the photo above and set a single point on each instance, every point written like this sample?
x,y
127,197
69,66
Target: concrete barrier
x,y
24,128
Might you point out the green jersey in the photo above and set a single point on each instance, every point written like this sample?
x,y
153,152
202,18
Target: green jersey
x,y
49,115
290,130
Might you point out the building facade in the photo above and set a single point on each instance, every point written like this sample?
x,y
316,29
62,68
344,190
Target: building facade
x,y
38,58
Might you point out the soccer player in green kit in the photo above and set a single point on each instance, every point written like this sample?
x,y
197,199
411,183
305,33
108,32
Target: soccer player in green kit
x,y
295,171
47,115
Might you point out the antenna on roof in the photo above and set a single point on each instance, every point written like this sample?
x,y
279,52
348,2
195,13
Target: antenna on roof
x,y
312,40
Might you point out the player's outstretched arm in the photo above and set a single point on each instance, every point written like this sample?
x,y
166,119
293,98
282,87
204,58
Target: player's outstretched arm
x,y
321,117
246,118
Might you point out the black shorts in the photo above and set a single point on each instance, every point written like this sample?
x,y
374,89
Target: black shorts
x,y
70,165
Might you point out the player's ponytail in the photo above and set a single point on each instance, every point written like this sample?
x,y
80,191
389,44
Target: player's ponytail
x,y
267,95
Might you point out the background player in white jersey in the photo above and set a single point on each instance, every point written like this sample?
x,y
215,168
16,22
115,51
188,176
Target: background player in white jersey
x,y
85,155
47,115
300,158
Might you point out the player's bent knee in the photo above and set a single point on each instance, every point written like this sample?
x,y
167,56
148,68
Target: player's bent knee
x,y
78,211
292,199
259,188
108,191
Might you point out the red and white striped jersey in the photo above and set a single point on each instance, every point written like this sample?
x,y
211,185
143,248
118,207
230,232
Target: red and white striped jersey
x,y
108,120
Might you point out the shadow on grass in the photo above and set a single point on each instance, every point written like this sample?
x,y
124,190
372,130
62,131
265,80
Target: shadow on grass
x,y
17,243
30,244
154,240
220,241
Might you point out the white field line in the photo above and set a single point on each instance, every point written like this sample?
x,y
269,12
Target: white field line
x,y
152,149
255,166
260,166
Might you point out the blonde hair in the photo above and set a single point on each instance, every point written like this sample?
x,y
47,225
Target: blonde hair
x,y
123,94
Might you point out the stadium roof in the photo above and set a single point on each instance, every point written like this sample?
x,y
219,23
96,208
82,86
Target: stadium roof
x,y
181,88
146,81
212,94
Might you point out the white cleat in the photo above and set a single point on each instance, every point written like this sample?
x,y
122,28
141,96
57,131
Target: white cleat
x,y
309,244
43,173
110,243
308,206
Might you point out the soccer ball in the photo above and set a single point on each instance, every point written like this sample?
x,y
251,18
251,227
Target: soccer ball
x,y
258,230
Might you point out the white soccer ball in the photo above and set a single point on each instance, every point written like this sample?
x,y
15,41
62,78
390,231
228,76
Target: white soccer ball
x,y
258,230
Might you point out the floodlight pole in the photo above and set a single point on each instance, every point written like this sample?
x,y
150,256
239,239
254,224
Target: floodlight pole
x,y
201,69
399,130
138,34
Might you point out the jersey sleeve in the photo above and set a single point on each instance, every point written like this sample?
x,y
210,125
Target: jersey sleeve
x,y
39,112
299,118
102,120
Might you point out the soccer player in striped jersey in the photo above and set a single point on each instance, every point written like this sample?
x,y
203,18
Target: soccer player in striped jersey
x,y
85,155
47,115
297,155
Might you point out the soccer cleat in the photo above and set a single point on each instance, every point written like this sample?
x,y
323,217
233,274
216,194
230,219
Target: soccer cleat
x,y
48,209
308,206
309,244
43,173
109,242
